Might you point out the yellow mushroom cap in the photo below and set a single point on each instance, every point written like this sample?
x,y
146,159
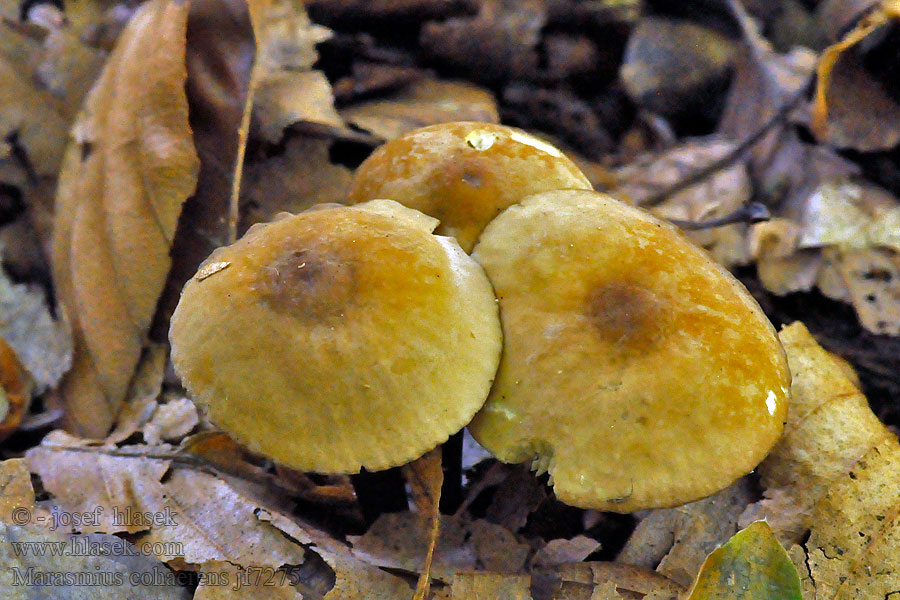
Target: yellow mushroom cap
x,y
339,338
635,369
464,174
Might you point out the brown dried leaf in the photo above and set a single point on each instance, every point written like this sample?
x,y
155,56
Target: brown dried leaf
x,y
130,168
287,90
589,581
423,103
216,523
110,567
497,44
83,480
676,541
145,388
489,586
561,551
396,541
300,178
716,196
835,473
671,65
15,490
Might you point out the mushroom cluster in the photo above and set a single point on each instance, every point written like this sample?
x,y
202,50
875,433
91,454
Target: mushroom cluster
x,y
622,359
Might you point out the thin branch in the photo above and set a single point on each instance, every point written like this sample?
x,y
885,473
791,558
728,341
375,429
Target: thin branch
x,y
734,155
753,212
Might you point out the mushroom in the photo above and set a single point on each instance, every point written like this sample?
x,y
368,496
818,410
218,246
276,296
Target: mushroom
x,y
635,370
464,174
339,338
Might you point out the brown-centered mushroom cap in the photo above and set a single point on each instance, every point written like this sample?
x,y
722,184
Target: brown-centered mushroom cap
x,y
635,370
464,174
339,338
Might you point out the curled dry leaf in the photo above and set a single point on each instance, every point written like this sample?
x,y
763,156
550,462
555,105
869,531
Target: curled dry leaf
x,y
498,43
422,103
850,108
835,474
129,169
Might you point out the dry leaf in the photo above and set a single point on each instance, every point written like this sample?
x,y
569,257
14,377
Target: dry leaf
x,y
131,166
580,581
672,65
113,570
300,178
489,586
720,194
42,344
145,388
835,473
397,540
287,89
751,566
171,421
561,551
848,127
676,541
16,493
422,103
85,481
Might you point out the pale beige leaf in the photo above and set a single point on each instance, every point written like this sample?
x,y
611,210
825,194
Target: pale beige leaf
x,y
579,581
82,480
145,388
561,551
835,474
16,493
131,166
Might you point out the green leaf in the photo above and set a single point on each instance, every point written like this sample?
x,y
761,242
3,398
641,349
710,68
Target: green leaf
x,y
751,566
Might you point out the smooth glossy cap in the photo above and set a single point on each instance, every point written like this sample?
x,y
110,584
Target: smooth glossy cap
x,y
635,369
464,174
339,338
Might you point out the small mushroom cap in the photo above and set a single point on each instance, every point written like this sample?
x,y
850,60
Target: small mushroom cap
x,y
635,369
464,174
339,338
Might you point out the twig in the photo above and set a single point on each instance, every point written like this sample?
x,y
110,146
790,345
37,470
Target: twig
x,y
753,212
732,156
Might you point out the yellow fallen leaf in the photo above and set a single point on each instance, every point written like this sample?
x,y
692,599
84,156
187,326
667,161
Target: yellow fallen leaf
x,y
835,474
886,11
751,566
489,586
126,174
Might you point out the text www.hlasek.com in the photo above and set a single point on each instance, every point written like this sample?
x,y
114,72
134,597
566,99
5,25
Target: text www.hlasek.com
x,y
88,547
